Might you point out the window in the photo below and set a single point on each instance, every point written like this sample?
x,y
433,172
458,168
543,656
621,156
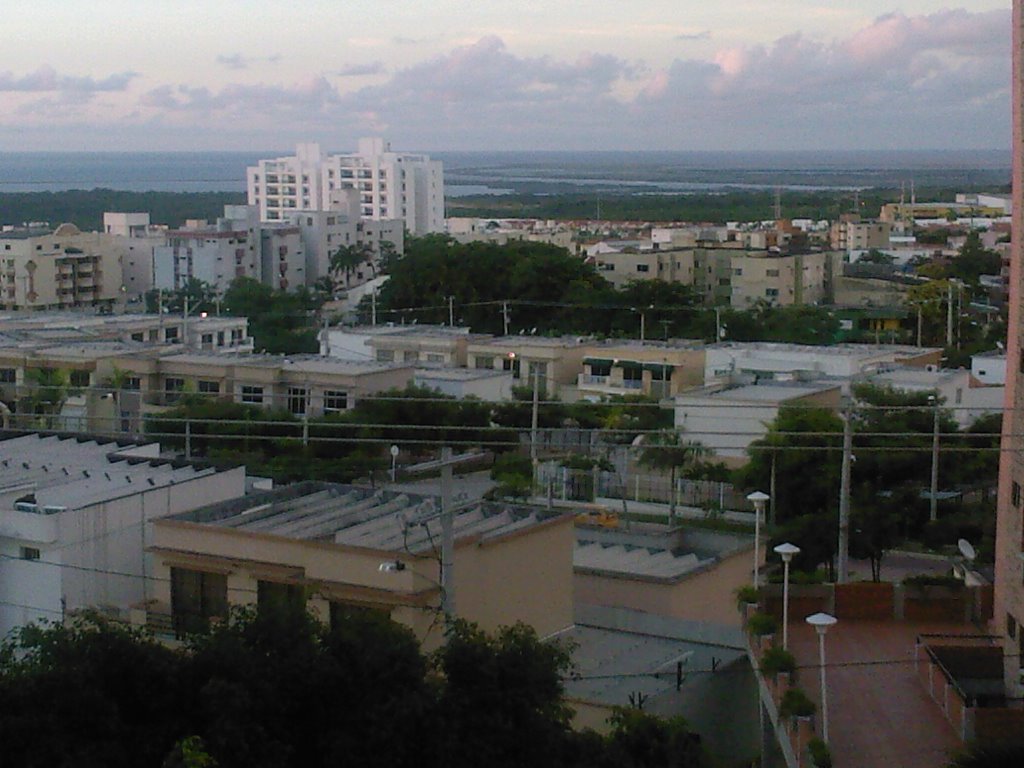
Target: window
x,y
297,401
601,369
771,293
171,334
335,400
275,598
511,364
79,378
410,356
140,336
643,268
207,339
435,358
771,273
1011,625
132,383
8,376
173,389
209,387
385,355
738,271
1015,494
485,362
252,395
538,370
29,553
197,597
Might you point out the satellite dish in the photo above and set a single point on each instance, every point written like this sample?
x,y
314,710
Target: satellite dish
x,y
966,549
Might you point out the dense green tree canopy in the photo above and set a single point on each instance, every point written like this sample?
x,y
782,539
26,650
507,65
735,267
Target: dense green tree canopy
x,y
273,689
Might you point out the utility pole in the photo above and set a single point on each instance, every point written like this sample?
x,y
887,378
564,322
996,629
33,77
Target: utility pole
x,y
949,315
184,324
326,347
504,317
534,417
920,320
844,495
447,536
933,500
643,320
451,311
373,307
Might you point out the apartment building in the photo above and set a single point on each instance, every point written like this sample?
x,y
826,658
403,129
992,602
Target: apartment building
x,y
503,231
62,269
852,235
305,385
652,368
324,232
391,185
670,265
782,280
138,238
236,245
555,362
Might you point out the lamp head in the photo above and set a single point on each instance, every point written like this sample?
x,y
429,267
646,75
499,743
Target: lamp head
x,y
821,622
758,498
786,551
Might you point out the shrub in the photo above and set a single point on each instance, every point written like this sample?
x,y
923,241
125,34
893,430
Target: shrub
x,y
821,756
777,660
932,580
747,595
796,704
761,624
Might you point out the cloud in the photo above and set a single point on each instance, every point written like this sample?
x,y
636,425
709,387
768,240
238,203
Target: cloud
x,y
362,70
939,80
693,36
46,78
238,61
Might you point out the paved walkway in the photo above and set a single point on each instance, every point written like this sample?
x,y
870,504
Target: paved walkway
x,y
880,716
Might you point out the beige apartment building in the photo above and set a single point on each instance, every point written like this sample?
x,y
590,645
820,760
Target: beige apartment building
x,y
555,362
671,266
340,549
305,385
63,269
781,280
652,368
851,234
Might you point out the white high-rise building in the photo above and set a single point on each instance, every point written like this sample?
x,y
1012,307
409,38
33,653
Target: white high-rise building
x,y
391,185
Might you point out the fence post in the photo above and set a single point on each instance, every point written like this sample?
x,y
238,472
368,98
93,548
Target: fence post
x,y
188,439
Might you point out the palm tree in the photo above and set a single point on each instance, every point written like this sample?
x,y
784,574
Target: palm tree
x,y
668,450
349,257
50,389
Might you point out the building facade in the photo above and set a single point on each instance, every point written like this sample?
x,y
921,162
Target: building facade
x,y
63,269
390,185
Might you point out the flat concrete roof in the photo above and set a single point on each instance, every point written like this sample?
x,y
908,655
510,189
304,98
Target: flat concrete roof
x,y
380,519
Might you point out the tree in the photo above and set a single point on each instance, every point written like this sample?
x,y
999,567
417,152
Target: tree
x,y
640,740
279,321
50,389
668,450
348,258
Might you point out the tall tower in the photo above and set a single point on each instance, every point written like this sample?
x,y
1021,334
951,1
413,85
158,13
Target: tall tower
x,y
1009,592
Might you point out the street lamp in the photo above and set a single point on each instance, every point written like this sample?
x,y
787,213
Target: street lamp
x,y
757,498
821,623
786,551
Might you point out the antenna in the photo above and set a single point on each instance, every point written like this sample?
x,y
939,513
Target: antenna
x,y
778,203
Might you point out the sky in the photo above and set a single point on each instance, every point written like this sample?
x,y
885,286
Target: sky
x,y
155,75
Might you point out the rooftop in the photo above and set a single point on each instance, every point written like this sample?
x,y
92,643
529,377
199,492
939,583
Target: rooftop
x,y
375,519
75,472
771,392
848,350
297,363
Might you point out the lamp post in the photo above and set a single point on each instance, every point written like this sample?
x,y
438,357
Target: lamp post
x,y
757,498
821,623
786,551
